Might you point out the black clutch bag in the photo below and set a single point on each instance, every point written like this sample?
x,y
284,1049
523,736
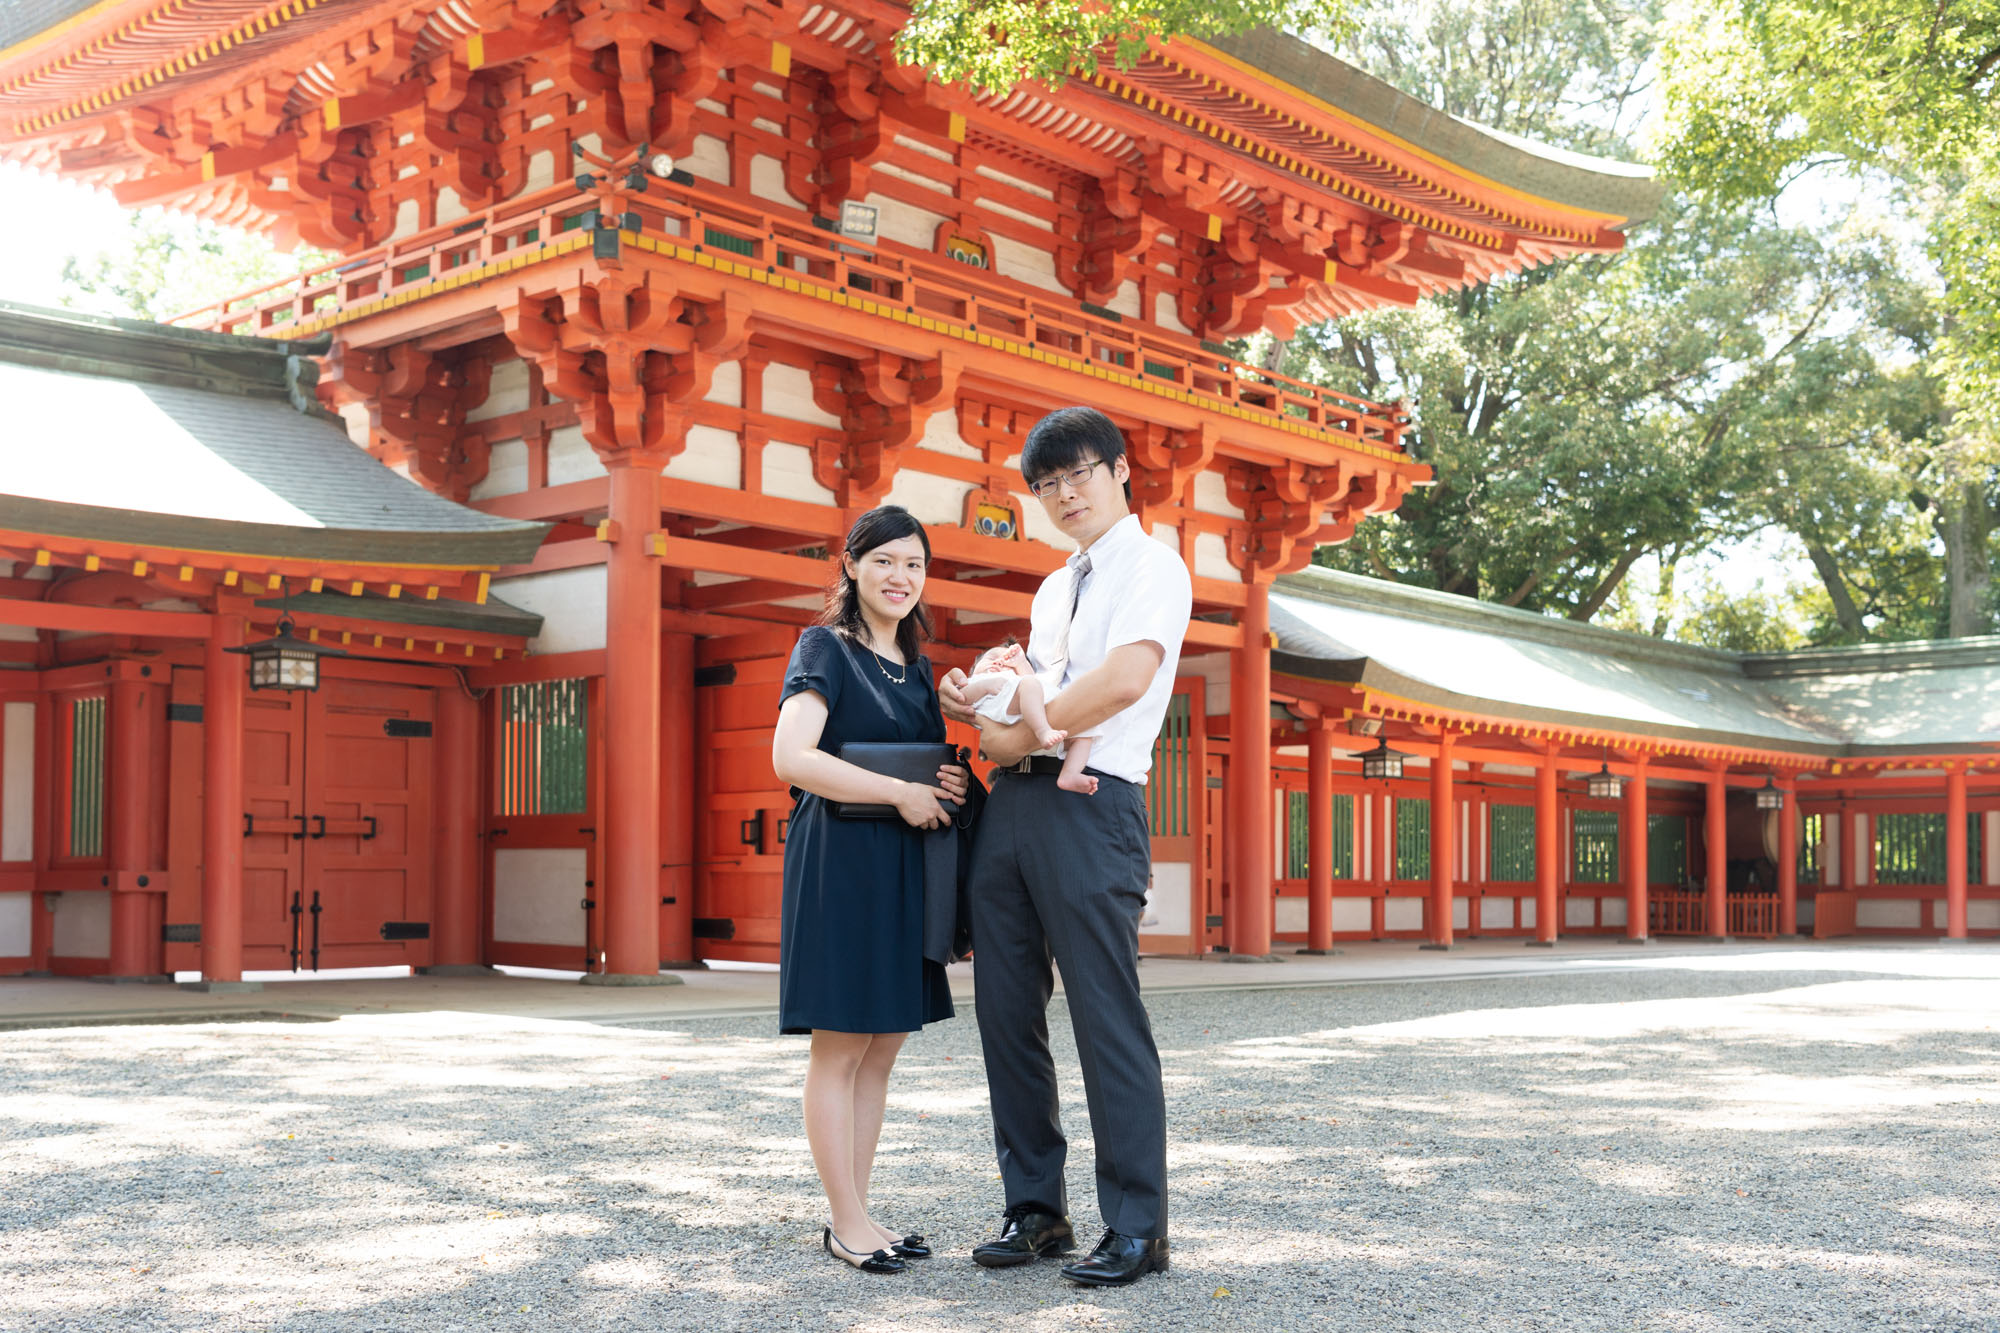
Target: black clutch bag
x,y
912,761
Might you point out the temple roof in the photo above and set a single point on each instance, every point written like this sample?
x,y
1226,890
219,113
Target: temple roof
x,y
1474,657
142,434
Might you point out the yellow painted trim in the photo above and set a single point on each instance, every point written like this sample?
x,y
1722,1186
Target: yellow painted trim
x,y
316,585
1353,121
475,50
781,60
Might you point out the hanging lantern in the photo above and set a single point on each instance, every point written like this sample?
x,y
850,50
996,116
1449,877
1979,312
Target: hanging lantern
x,y
1769,797
1604,785
1381,762
284,661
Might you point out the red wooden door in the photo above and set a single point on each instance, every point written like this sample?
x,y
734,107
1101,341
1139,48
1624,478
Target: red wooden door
x,y
368,800
1214,797
740,813
274,826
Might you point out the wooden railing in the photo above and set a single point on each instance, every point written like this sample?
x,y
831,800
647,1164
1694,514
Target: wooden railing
x,y
1750,915
687,223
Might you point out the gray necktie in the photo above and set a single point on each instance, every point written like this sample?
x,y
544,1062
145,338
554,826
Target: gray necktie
x,y
1079,571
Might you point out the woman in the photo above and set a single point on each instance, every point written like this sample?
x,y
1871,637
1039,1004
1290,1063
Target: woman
x,y
852,970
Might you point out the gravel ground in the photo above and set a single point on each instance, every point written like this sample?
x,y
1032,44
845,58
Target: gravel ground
x,y
1667,1149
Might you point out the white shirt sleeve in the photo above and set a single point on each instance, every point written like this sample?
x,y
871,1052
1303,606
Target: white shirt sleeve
x,y
1154,604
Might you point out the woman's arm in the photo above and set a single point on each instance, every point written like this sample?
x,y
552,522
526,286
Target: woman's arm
x,y
799,762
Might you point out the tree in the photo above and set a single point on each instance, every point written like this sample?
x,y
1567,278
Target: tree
x,y
1759,91
994,44
174,264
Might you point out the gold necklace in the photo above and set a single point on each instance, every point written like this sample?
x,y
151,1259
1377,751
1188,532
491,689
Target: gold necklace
x,y
893,680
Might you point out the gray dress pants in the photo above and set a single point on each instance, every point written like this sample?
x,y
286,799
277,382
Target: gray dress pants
x,y
1057,875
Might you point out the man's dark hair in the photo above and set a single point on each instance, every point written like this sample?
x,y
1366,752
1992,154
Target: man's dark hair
x,y
1070,437
878,527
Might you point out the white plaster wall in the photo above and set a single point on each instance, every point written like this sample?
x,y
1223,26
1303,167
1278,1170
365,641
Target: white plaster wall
x,y
1461,914
1211,558
1040,192
1211,495
450,208
934,500
788,475
406,220
537,895
1352,914
1292,915
571,603
18,634
1888,914
508,392
1026,263
1527,913
767,181
1169,901
1829,849
712,457
708,159
17,784
355,417
1167,535
726,386
788,392
898,221
506,470
1992,843
941,436
571,458
1403,914
1511,770
1166,313
1864,867
541,171
82,926
1982,915
1213,668
1496,913
17,924
1614,911
1577,912
1126,301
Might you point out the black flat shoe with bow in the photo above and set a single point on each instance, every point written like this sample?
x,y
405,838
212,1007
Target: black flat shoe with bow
x,y
911,1247
879,1262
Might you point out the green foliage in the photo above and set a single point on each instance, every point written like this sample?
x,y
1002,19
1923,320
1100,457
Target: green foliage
x,y
171,265
994,44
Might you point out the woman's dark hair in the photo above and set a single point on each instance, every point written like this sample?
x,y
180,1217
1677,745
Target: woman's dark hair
x,y
878,527
1069,437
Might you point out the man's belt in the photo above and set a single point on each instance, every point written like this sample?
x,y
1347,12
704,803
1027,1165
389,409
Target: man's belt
x,y
1048,766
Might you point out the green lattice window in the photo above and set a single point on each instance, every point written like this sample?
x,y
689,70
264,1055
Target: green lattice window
x,y
1298,835
542,758
1594,846
1413,838
86,777
1909,848
1511,836
722,240
1812,828
1170,787
1666,849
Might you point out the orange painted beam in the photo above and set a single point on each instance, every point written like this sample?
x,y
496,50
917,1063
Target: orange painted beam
x,y
105,619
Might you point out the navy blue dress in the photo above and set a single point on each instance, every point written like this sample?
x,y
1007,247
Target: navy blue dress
x,y
851,948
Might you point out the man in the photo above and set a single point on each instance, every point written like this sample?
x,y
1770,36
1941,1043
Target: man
x,y
1059,874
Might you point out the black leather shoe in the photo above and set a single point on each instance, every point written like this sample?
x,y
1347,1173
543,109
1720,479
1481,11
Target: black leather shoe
x,y
912,1247
1119,1260
881,1261
1026,1234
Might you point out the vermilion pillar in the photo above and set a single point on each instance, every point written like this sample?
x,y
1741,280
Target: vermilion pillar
x,y
1548,850
678,777
1250,906
1444,843
224,685
455,933
1955,922
1850,876
630,894
1716,837
1788,858
1319,840
1636,860
133,844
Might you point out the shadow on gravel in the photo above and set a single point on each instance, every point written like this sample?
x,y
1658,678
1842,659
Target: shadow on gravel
x,y
1633,1150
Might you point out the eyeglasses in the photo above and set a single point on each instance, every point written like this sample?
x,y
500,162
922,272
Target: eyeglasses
x,y
1075,477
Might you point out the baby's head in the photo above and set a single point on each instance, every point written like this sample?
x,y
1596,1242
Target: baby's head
x,y
1005,657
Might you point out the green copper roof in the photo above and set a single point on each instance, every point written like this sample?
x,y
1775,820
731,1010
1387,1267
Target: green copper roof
x,y
139,433
1456,653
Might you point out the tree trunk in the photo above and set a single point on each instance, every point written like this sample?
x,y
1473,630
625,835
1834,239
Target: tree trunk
x,y
1968,570
1607,585
1844,609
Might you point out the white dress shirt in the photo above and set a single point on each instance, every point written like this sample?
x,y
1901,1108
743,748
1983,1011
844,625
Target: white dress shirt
x,y
1137,591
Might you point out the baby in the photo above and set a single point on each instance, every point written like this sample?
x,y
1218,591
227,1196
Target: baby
x,y
1004,687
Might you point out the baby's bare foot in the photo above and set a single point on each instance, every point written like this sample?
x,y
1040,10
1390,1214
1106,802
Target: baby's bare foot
x,y
1052,737
1082,784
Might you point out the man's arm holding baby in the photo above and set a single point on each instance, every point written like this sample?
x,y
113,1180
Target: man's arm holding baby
x,y
1112,686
